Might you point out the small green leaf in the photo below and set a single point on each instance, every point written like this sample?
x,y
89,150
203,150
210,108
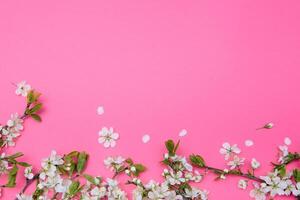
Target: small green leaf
x,y
197,160
82,159
296,175
37,193
32,96
73,189
36,117
35,108
139,168
91,179
23,164
281,170
129,161
16,155
12,177
170,146
176,147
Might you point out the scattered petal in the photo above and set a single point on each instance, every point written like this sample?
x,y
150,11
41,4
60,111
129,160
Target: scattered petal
x,y
249,143
146,138
100,110
183,133
287,141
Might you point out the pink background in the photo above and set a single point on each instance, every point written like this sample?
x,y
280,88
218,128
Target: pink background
x,y
219,69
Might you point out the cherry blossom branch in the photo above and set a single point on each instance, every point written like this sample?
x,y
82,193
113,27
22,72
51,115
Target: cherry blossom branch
x,y
233,172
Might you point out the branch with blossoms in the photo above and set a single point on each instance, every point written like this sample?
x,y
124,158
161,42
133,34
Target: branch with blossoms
x,y
63,177
9,164
279,182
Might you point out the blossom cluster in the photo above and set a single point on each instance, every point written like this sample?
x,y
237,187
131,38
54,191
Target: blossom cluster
x,y
59,178
279,182
11,130
178,175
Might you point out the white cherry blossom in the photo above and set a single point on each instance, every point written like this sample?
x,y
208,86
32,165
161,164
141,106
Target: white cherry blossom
x,y
23,88
254,163
242,184
227,150
236,162
108,137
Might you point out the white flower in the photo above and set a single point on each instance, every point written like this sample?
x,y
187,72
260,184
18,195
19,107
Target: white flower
x,y
284,151
159,192
15,122
296,191
23,88
49,164
173,196
108,137
98,192
195,193
290,187
24,197
197,177
236,162
273,184
3,166
10,135
257,192
28,172
133,169
63,186
175,178
242,184
254,163
228,150
114,163
137,193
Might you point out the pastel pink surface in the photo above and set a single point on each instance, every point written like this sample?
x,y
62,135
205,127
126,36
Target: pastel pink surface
x,y
219,69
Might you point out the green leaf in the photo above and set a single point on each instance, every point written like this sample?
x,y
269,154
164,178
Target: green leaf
x,y
281,170
35,108
82,159
73,154
176,147
74,187
32,96
36,117
37,193
197,160
170,146
12,177
139,169
296,175
23,164
129,161
16,155
91,179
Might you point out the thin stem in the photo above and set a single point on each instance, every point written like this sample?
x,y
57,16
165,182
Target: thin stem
x,y
28,183
234,173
